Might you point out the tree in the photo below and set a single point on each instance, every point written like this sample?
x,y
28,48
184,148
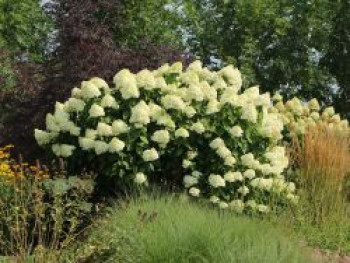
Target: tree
x,y
24,27
89,44
280,45
150,21
24,30
276,44
337,58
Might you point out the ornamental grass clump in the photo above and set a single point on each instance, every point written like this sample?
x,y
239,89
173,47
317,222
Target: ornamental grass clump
x,y
174,230
321,159
194,127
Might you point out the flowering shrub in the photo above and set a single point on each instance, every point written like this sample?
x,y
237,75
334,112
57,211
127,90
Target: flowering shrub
x,y
298,116
138,130
39,209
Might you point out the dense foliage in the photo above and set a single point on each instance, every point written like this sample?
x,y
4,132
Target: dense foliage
x,y
24,28
24,32
338,58
291,47
204,130
88,45
145,125
84,46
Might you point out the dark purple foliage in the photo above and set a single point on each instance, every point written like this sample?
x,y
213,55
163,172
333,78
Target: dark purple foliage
x,y
87,47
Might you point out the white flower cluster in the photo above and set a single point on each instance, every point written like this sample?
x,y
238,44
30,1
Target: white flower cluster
x,y
221,150
226,139
298,116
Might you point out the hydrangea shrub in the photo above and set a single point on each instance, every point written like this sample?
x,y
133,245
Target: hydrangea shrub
x,y
298,116
140,129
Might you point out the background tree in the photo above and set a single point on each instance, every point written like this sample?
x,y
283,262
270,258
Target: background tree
x,y
24,29
86,46
280,45
89,44
337,58
276,44
150,21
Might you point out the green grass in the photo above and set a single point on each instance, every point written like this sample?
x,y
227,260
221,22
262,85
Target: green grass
x,y
170,229
332,237
333,234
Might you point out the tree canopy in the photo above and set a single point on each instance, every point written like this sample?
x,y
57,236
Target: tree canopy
x,y
277,44
24,28
297,48
24,31
337,58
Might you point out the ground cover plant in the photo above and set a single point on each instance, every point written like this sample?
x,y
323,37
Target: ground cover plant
x,y
173,229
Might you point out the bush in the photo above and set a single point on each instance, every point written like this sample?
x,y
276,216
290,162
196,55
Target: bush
x,y
39,213
175,230
150,124
298,116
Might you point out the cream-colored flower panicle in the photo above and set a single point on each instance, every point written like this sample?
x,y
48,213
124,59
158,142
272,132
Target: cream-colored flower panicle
x,y
43,137
120,127
126,82
299,116
162,137
216,181
116,145
140,114
150,155
63,150
96,111
140,178
86,143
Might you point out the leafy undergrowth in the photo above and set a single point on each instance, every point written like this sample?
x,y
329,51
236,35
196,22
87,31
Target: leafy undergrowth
x,y
171,229
331,236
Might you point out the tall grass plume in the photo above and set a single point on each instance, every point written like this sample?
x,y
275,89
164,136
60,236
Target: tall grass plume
x,y
321,159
